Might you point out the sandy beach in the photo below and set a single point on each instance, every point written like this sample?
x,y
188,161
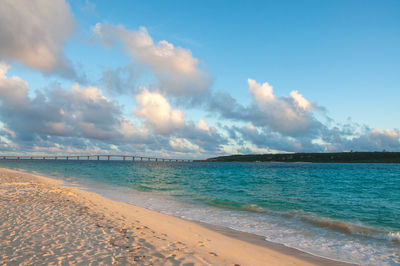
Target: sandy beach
x,y
42,221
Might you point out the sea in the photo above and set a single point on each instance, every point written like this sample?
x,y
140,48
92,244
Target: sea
x,y
347,212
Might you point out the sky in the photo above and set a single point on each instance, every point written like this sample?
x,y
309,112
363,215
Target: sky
x,y
198,79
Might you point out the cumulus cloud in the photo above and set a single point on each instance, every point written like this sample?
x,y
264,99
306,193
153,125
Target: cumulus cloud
x,y
81,118
289,115
202,125
184,146
34,32
178,72
157,112
300,100
262,93
325,140
274,141
365,140
73,119
288,123
12,90
79,111
159,115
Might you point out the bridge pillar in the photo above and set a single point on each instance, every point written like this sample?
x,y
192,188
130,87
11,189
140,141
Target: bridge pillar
x,y
108,157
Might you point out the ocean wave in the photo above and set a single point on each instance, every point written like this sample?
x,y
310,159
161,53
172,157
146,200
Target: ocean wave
x,y
394,236
349,228
343,227
143,188
227,204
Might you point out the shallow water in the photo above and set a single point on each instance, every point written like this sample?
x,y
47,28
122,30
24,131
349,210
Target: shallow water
x,y
348,212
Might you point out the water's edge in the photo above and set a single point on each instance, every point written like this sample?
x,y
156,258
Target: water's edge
x,y
281,248
236,234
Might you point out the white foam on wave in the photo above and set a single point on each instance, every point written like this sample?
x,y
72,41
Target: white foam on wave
x,y
394,236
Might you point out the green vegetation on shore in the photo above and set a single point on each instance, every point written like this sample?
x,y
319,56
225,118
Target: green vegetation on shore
x,y
342,157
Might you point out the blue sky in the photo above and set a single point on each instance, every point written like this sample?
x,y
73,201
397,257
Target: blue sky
x,y
342,58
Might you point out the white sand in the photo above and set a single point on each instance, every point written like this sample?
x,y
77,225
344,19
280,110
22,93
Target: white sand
x,y
43,222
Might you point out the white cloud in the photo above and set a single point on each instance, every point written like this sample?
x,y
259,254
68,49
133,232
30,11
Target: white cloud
x,y
12,90
183,145
288,115
262,93
128,129
155,109
300,100
266,139
81,118
88,93
34,32
178,72
79,111
203,125
57,127
373,140
393,134
159,115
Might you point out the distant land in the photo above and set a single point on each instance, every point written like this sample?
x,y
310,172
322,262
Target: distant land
x,y
341,157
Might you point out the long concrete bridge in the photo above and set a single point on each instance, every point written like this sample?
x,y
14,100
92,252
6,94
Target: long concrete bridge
x,y
91,157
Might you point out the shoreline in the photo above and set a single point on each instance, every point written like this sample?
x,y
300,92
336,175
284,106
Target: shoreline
x,y
192,242
260,241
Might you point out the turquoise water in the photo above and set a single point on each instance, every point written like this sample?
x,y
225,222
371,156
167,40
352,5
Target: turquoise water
x,y
348,212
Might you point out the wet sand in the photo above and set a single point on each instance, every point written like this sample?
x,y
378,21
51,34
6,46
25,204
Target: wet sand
x,y
44,222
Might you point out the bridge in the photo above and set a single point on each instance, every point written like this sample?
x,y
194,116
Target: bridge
x,y
92,157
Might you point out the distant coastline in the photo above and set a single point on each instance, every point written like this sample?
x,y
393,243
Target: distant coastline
x,y
340,157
